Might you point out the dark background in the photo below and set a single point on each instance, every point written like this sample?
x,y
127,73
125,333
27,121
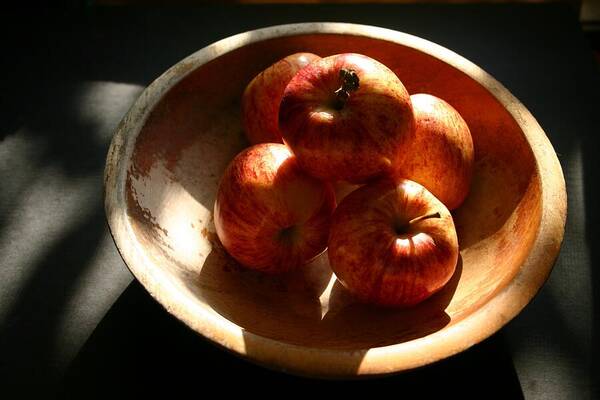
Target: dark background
x,y
73,324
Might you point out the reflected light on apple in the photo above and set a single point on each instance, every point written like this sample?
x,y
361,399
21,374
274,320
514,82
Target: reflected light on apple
x,y
410,189
280,155
321,115
416,240
427,105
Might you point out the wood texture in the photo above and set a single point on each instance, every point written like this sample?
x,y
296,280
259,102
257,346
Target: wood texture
x,y
170,150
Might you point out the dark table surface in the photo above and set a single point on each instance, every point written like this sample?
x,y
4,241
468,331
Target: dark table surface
x,y
74,323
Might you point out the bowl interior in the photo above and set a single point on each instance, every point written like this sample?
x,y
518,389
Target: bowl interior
x,y
195,130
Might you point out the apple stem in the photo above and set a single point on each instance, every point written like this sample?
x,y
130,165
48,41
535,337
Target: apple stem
x,y
423,217
350,83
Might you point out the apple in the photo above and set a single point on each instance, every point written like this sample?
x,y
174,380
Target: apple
x,y
392,243
269,214
441,154
343,189
262,96
344,117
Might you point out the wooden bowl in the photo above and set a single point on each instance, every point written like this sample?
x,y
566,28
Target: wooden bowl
x,y
168,154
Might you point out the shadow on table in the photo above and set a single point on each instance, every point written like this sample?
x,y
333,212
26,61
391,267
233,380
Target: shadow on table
x,y
139,349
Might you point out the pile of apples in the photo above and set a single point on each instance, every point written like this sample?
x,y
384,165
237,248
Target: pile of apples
x,y
316,124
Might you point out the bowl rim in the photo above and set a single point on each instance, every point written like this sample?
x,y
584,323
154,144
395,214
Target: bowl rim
x,y
338,363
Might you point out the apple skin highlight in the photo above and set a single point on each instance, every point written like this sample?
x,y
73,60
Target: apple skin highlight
x,y
356,139
382,258
270,215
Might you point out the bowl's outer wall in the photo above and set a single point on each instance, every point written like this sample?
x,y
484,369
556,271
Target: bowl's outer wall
x,y
168,154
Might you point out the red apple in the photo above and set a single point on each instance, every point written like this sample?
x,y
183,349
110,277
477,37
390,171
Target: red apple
x,y
344,117
343,189
392,243
441,155
269,214
261,99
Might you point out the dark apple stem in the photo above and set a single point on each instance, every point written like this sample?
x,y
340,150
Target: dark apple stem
x,y
350,82
423,217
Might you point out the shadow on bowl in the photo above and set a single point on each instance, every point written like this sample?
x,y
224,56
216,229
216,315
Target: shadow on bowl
x,y
309,307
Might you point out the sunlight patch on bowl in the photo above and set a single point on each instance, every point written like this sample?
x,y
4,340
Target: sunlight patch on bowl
x,y
324,298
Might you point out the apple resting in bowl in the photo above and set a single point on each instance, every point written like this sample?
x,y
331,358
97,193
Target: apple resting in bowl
x,y
440,154
392,243
262,96
344,117
269,214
